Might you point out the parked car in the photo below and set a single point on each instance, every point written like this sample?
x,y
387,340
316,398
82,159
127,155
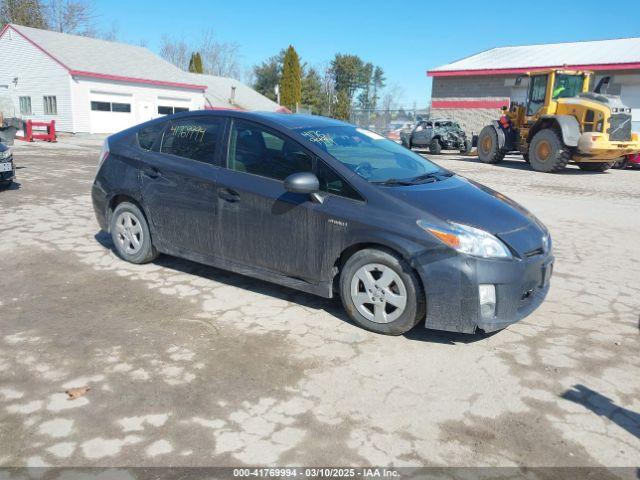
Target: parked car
x,y
327,208
437,135
7,168
632,161
394,133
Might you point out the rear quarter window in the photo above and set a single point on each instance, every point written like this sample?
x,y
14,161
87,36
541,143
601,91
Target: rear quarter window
x,y
149,135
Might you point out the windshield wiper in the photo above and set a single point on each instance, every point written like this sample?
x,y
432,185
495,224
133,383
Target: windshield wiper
x,y
430,177
393,181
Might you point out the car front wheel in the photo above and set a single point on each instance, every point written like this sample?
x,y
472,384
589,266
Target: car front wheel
x,y
381,293
130,234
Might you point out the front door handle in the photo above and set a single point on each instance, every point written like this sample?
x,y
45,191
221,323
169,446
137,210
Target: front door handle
x,y
151,172
229,195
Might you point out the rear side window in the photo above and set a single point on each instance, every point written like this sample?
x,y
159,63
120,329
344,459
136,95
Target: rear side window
x,y
148,135
196,138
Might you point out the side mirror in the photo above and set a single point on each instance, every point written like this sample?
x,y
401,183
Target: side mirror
x,y
303,182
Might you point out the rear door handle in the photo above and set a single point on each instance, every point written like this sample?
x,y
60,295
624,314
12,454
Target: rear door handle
x,y
229,195
151,172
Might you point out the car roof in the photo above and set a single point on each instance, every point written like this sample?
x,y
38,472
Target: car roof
x,y
286,120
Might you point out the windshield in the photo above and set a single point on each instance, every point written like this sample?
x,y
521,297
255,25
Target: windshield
x,y
370,155
567,86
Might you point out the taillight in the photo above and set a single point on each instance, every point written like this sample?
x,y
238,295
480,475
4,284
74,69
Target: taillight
x,y
104,153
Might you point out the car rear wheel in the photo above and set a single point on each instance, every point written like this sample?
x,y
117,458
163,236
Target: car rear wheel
x,y
466,149
130,234
381,293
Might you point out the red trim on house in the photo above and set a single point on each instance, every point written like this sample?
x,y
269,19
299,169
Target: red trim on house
x,y
119,78
105,76
512,71
470,103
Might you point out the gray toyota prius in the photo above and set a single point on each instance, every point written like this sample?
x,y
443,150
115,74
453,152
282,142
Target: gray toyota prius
x,y
328,208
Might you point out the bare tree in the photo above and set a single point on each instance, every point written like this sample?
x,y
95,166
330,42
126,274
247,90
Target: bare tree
x,y
219,58
175,51
392,97
76,17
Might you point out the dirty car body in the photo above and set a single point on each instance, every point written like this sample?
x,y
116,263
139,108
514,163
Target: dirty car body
x,y
297,203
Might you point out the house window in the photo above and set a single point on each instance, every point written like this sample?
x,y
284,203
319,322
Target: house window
x,y
25,105
169,110
121,107
50,106
110,107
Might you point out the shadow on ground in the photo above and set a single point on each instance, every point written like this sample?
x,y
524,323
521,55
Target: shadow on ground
x,y
604,407
332,306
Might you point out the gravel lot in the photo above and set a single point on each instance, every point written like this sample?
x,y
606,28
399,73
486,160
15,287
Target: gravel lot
x,y
190,365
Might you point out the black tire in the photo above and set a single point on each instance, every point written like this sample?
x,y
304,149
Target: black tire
x,y
466,150
621,164
415,307
595,167
144,251
488,150
547,153
435,147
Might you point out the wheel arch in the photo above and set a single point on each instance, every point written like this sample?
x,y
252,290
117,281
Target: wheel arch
x,y
566,125
394,248
118,198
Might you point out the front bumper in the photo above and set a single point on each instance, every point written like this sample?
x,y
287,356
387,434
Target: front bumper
x,y
10,175
596,147
451,285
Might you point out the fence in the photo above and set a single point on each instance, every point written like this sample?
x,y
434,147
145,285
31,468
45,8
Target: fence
x,y
384,121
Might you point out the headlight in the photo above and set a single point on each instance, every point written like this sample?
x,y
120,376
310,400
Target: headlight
x,y
468,240
6,154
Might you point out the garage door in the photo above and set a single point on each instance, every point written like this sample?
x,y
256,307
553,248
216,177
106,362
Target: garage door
x,y
631,98
110,112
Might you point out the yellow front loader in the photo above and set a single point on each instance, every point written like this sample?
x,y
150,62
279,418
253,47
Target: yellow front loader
x,y
562,121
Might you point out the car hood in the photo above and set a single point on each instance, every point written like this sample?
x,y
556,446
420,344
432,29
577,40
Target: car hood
x,y
460,200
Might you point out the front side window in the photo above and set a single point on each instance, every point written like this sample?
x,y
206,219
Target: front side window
x,y
197,138
566,86
50,105
332,183
537,93
259,151
368,154
25,105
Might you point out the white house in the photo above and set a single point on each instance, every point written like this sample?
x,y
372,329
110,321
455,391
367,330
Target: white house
x,y
95,86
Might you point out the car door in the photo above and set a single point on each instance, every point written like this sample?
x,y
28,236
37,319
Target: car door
x,y
421,133
261,224
178,185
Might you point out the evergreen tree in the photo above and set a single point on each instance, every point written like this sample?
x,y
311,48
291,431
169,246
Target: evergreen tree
x,y
29,13
342,110
267,76
195,63
291,81
312,90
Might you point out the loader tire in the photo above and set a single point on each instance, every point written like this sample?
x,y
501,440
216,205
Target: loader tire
x,y
595,167
547,153
488,149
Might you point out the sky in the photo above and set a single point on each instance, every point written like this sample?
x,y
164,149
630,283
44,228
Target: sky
x,y
404,38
